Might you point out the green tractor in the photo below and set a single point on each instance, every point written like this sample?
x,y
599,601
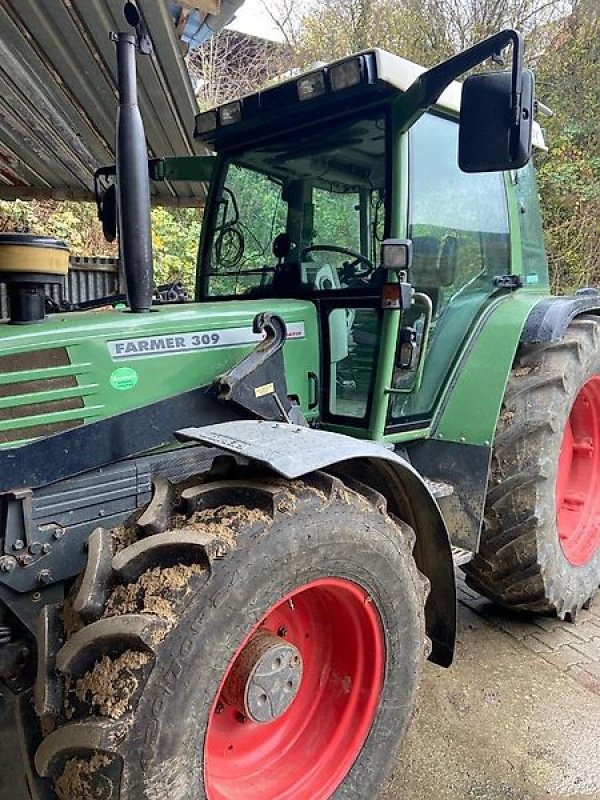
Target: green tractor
x,y
229,527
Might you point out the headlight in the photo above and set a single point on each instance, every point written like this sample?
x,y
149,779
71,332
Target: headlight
x,y
396,254
311,85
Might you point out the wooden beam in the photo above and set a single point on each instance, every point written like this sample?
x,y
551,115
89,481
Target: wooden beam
x,y
43,193
83,196
207,6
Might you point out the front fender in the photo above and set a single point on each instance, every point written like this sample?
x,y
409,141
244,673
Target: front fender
x,y
293,451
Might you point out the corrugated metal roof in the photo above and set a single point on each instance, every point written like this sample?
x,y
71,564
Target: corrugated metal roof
x,y
58,96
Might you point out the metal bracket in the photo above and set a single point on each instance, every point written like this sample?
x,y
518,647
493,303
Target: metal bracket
x,y
257,384
16,527
508,281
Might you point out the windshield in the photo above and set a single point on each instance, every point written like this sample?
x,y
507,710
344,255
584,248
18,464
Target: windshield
x,y
302,216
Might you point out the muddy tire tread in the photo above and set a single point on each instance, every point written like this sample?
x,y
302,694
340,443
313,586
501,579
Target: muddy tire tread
x,y
517,565
77,740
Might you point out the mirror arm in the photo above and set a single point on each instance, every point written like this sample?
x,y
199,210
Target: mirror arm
x,y
429,86
438,78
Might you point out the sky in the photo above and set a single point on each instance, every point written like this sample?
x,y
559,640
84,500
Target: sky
x,y
253,19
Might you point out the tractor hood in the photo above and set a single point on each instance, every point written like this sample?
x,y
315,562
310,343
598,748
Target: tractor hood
x,y
79,368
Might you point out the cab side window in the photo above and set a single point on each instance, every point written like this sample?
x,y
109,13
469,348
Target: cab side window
x,y
458,221
460,230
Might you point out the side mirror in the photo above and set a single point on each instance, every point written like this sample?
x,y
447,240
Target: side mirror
x,y
495,132
105,193
107,212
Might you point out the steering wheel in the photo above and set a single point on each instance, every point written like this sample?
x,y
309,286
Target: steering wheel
x,y
349,269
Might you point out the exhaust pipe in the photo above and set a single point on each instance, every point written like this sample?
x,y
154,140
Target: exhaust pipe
x,y
133,183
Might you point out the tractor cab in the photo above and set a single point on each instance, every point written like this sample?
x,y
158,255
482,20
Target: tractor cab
x,y
312,177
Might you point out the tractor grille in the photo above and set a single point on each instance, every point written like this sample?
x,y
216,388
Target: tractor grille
x,y
31,404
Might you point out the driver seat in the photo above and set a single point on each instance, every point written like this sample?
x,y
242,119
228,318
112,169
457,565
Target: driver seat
x,y
435,262
286,279
319,277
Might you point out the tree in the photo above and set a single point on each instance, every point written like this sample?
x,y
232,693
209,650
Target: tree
x,y
334,28
448,26
426,31
232,64
570,174
175,237
175,233
74,223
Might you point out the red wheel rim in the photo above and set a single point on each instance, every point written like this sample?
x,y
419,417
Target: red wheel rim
x,y
578,480
305,753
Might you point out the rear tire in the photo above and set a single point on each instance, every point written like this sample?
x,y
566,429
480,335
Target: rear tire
x,y
540,545
316,563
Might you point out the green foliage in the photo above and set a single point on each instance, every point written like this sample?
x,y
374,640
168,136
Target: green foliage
x,y
336,219
570,174
175,233
175,237
425,31
74,223
243,243
335,28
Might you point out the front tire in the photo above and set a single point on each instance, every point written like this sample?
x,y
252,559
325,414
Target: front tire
x,y
316,565
540,545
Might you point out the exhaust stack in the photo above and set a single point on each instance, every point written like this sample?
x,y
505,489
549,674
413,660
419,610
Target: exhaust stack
x,y
133,183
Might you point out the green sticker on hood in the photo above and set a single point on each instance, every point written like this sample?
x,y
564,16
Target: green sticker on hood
x,y
123,378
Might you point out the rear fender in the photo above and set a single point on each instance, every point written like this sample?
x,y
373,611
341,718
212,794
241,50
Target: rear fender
x,y
293,451
549,319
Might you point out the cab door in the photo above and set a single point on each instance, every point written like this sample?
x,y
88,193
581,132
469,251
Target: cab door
x,y
459,226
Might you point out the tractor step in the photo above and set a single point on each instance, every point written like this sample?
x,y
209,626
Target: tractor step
x,y
461,556
446,496
439,489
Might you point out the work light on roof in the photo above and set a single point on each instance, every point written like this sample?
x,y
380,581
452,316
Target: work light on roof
x,y
346,74
206,122
312,85
230,113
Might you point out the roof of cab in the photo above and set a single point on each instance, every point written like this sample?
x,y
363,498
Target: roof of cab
x,y
398,73
402,73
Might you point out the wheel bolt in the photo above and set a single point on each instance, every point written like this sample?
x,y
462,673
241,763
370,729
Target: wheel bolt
x,y
7,564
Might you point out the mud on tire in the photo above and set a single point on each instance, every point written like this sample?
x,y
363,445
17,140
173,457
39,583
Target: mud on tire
x,y
152,626
522,563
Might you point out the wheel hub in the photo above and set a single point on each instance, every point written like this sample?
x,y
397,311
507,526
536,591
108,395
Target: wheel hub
x,y
265,678
300,748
